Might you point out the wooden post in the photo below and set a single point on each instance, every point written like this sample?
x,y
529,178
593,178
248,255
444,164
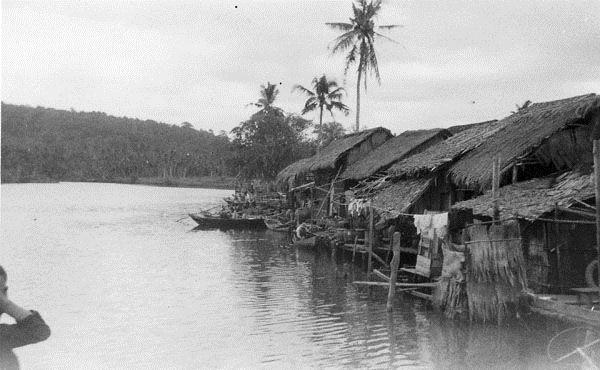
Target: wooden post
x,y
557,245
394,271
597,187
496,186
515,173
331,198
370,245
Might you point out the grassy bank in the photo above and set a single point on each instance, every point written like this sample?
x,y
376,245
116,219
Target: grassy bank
x,y
207,182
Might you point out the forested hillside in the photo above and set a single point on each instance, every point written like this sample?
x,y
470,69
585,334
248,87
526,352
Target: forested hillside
x,y
50,144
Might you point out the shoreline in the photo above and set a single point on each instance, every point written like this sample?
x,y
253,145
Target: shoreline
x,y
207,182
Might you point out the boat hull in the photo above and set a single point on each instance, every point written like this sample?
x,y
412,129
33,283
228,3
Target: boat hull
x,y
207,223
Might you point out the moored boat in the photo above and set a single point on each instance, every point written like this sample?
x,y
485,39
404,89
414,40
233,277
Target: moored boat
x,y
207,221
277,225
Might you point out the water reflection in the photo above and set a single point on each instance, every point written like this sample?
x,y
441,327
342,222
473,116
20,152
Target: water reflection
x,y
117,278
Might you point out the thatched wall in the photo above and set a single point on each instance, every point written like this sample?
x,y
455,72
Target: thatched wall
x,y
445,152
523,133
393,150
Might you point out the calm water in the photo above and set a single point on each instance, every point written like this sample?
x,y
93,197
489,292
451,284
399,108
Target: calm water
x,y
124,283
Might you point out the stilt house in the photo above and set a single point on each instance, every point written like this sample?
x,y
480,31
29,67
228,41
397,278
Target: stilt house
x,y
545,155
323,169
418,182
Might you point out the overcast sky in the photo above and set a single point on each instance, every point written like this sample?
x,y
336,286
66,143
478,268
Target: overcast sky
x,y
456,62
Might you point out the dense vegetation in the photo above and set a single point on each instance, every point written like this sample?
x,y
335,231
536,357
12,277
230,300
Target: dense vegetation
x,y
44,144
49,144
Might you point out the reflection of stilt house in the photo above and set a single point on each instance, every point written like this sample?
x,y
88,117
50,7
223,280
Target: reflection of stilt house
x,y
545,154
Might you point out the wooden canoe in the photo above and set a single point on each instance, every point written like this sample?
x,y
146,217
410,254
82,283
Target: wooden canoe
x,y
205,221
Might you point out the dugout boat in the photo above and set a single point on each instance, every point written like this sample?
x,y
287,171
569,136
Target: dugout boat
x,y
207,221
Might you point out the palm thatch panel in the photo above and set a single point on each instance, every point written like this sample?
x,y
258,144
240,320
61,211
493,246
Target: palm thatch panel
x,y
522,133
446,151
531,199
328,158
393,150
402,195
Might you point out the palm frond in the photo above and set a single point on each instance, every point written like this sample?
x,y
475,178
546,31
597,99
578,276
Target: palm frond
x,y
385,37
390,26
373,63
338,91
303,90
340,26
310,105
350,59
339,106
343,41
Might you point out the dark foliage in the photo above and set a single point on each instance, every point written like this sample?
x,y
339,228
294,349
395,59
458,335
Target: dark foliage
x,y
269,141
50,144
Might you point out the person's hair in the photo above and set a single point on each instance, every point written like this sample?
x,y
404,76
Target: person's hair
x,y
3,272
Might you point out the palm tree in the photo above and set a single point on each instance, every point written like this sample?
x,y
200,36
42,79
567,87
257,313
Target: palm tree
x,y
268,95
358,38
325,95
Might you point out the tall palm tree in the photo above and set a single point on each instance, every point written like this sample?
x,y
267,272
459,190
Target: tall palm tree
x,y
268,94
358,38
325,95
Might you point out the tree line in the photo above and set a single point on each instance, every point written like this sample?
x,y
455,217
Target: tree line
x,y
45,144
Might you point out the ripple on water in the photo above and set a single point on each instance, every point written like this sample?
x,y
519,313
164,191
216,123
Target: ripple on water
x,y
124,282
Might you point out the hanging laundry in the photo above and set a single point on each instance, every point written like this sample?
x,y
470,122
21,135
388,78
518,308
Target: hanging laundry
x,y
433,229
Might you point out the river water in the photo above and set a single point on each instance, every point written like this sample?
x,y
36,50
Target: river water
x,y
124,282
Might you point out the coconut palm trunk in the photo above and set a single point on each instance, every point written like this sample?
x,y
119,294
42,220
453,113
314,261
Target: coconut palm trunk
x,y
321,126
357,127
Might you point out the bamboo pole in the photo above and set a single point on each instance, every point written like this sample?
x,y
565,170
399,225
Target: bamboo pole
x,y
557,237
394,271
495,187
370,245
597,188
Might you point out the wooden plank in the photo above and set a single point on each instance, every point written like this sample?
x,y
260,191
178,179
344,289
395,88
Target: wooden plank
x,y
401,285
422,295
381,275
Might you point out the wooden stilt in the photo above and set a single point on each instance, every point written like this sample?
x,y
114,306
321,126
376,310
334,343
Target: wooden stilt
x,y
496,187
597,181
394,271
370,244
557,245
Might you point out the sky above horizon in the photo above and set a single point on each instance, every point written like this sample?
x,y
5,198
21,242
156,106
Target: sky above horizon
x,y
455,62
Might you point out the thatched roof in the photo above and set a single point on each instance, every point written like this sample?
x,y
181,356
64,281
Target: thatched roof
x,y
446,151
402,195
290,172
401,146
521,134
329,156
531,199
